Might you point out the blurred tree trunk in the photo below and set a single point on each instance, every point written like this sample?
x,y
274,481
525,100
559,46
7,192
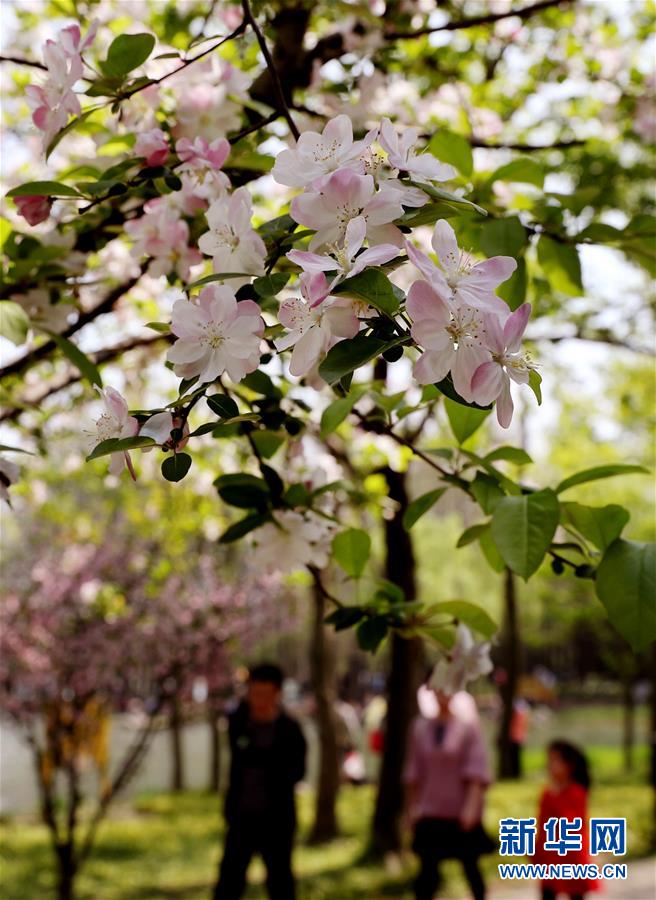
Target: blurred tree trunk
x,y
322,674
652,739
214,725
404,678
66,872
509,658
177,753
628,723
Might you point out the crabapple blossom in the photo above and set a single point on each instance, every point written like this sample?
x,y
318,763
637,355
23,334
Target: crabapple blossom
x,y
33,208
314,323
293,541
231,241
216,334
491,380
402,155
154,145
159,428
206,104
452,338
461,278
317,154
344,261
466,661
343,196
115,422
43,313
165,237
201,154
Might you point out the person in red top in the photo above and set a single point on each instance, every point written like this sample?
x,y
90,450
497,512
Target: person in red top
x,y
566,797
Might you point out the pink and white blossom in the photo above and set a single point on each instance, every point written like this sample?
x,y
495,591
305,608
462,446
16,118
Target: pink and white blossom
x,y
201,165
161,234
216,334
42,312
344,260
154,145
316,155
402,154
159,428
452,338
314,322
34,208
491,380
293,541
344,196
460,278
232,242
467,660
115,422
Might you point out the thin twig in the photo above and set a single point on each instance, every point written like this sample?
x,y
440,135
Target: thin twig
x,y
19,61
275,78
472,21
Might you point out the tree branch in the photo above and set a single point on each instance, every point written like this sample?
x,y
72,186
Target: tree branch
x,y
275,77
472,21
19,61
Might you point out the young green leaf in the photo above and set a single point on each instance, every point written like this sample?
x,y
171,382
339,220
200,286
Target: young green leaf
x,y
351,549
126,52
470,614
43,189
420,506
14,322
599,524
598,472
176,466
464,420
522,529
79,359
626,585
373,286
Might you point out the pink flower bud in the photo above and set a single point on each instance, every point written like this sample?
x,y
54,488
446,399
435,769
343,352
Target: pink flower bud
x,y
34,207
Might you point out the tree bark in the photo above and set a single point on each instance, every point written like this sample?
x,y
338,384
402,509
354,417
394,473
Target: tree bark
x,y
403,682
322,673
214,780
628,723
510,660
66,872
177,754
652,740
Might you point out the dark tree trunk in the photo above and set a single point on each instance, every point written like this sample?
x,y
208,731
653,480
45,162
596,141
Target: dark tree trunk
x,y
652,740
403,682
508,763
66,872
177,754
628,723
323,679
214,780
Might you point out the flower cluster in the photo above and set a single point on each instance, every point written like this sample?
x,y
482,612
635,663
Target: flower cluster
x,y
466,661
54,101
464,328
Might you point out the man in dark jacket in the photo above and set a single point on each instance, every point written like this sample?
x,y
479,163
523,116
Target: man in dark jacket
x,y
267,751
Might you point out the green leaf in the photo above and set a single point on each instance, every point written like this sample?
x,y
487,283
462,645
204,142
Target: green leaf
x,y
598,472
176,466
486,492
626,585
464,420
126,52
373,286
160,327
334,415
490,552
561,265
472,534
513,290
243,527
267,442
523,169
421,505
351,549
243,490
452,148
523,527
261,383
14,322
503,237
119,445
221,276
69,127
470,614
439,194
7,448
270,285
350,354
224,406
43,189
344,617
79,359
599,524
535,382
512,454
371,633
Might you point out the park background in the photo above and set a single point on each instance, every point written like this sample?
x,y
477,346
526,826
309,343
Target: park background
x,y
567,89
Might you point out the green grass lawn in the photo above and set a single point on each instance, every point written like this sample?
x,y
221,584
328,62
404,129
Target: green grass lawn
x,y
167,846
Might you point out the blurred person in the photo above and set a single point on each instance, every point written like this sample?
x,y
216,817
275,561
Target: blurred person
x,y
267,750
446,775
566,796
